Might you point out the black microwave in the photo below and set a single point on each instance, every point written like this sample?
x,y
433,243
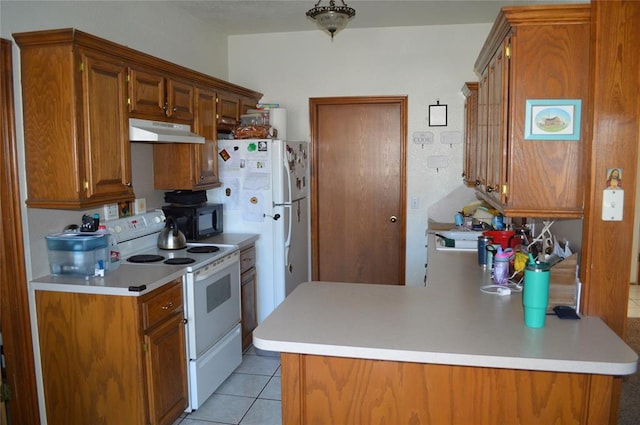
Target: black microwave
x,y
196,221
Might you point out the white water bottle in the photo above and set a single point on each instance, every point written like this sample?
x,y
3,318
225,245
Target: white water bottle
x,y
113,252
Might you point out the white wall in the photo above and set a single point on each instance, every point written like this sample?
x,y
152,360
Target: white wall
x,y
155,28
426,63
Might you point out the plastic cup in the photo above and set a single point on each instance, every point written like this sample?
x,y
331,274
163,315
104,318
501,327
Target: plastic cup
x,y
535,294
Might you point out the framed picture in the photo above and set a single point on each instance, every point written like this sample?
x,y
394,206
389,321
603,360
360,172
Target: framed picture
x,y
552,119
437,115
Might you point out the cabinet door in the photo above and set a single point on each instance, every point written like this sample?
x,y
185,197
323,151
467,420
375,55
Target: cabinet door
x,y
147,93
106,147
228,111
248,296
166,366
206,161
498,80
470,90
179,100
483,134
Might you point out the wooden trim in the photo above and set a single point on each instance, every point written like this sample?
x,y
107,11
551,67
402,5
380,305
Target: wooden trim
x,y
83,39
513,16
14,306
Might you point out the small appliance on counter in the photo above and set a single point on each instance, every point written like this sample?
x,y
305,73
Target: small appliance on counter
x,y
77,253
193,215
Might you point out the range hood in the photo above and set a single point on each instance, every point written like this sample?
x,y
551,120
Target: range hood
x,y
161,132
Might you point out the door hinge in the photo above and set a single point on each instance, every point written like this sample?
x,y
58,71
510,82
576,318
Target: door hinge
x,y
505,189
217,99
85,184
507,51
129,101
145,348
81,66
5,392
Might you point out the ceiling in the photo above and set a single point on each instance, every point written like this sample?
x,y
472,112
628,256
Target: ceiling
x,y
233,17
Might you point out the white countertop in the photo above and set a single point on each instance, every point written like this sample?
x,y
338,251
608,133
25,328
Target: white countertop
x,y
141,278
116,282
448,322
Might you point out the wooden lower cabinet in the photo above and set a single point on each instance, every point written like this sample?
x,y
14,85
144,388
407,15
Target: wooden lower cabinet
x,y
248,282
333,390
113,359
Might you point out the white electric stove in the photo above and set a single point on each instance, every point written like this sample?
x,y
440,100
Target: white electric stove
x,y
211,292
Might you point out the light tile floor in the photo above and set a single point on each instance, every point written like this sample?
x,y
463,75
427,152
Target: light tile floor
x,y
634,301
250,396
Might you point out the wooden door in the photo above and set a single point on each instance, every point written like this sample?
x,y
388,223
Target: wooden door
x,y
358,189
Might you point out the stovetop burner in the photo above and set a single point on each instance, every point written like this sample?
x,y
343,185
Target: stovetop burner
x,y
145,258
180,260
203,249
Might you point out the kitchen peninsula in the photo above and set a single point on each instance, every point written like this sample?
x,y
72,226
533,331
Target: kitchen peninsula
x,y
447,353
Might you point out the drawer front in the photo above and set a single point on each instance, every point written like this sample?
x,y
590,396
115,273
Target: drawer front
x,y
161,303
247,259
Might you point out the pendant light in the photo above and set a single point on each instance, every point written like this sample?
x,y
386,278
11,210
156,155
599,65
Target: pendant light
x,y
332,18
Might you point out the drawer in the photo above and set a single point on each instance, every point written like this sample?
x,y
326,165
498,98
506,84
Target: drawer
x,y
247,259
161,303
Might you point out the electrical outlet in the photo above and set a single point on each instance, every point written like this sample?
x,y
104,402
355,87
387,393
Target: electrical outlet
x,y
110,212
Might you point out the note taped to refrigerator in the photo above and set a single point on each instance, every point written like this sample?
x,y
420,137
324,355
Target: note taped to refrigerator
x,y
231,192
257,181
252,206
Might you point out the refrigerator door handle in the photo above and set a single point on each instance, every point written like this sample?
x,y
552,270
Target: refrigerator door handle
x,y
287,242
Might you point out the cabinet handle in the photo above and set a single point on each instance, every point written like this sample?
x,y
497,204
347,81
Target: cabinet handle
x,y
393,219
477,182
168,305
185,321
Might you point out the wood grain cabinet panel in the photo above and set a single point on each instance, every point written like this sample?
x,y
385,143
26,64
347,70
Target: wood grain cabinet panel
x,y
248,288
532,53
469,171
188,166
154,95
103,363
75,123
350,391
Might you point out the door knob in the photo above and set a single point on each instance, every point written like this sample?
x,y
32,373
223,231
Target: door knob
x,y
393,219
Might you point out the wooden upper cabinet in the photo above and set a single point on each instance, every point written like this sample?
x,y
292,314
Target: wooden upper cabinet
x,y
198,164
470,92
228,115
78,93
532,53
75,123
155,96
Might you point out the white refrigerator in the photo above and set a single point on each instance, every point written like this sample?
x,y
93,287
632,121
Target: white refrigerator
x,y
265,190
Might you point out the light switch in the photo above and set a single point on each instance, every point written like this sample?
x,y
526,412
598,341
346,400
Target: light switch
x,y
612,204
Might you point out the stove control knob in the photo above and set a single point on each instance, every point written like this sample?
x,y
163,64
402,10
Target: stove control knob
x,y
117,229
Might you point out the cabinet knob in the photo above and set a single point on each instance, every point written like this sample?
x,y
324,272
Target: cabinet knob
x,y
393,219
477,182
489,189
168,305
128,184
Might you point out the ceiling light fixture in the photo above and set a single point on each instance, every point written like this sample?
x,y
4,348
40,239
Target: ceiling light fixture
x,y
332,18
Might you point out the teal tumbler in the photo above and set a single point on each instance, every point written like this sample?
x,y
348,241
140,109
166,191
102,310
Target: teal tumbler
x,y
535,294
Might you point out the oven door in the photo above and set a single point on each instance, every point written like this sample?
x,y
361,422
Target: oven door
x,y
213,303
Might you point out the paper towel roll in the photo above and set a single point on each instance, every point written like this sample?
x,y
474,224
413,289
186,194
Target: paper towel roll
x,y
278,120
